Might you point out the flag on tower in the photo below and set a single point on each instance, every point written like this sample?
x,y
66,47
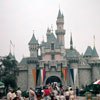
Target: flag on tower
x,y
64,74
72,74
34,76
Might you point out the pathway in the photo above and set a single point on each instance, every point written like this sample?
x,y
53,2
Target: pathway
x,y
80,98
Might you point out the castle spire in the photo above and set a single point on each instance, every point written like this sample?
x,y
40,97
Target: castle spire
x,y
59,14
33,46
94,40
33,40
60,32
71,41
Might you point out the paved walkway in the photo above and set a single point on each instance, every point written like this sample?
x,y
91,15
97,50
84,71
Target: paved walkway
x,y
80,98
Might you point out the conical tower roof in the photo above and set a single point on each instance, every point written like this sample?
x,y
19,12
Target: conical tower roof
x,y
10,55
94,52
33,40
59,14
88,51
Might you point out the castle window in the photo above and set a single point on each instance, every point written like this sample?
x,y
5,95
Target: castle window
x,y
52,46
52,57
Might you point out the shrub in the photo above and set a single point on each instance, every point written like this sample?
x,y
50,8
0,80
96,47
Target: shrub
x,y
25,94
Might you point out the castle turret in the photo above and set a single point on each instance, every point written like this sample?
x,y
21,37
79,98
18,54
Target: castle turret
x,y
60,32
88,52
94,53
33,47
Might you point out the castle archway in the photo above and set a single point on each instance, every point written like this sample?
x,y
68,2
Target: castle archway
x,y
52,79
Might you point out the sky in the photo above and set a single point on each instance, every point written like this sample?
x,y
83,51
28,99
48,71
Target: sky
x,y
18,19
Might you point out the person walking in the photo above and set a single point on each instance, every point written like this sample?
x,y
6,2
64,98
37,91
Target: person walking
x,y
72,94
62,97
32,95
19,92
9,94
77,92
67,94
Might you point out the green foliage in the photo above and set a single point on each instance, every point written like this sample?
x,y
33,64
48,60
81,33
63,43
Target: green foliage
x,y
9,73
10,80
93,88
25,94
82,92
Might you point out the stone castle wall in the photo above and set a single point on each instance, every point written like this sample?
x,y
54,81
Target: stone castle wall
x,y
84,77
22,79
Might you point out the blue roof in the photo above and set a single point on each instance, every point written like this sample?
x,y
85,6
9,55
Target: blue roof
x,y
72,53
33,40
52,39
88,51
43,43
23,61
59,14
94,52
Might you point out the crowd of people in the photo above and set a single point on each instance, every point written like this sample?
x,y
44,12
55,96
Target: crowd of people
x,y
48,92
15,95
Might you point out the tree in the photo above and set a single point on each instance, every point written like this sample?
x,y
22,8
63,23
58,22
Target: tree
x,y
9,73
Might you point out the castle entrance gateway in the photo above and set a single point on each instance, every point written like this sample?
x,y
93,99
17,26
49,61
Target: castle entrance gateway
x,y
52,79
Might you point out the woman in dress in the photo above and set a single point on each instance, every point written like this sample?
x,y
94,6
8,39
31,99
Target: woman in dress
x,y
72,94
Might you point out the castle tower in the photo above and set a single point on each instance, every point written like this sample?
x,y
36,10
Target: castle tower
x,y
60,32
33,47
94,53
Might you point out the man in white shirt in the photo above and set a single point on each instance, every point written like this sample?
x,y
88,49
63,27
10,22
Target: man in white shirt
x,y
19,93
66,93
58,96
9,95
32,95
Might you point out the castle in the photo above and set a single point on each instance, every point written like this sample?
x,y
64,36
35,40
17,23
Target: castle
x,y
56,63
